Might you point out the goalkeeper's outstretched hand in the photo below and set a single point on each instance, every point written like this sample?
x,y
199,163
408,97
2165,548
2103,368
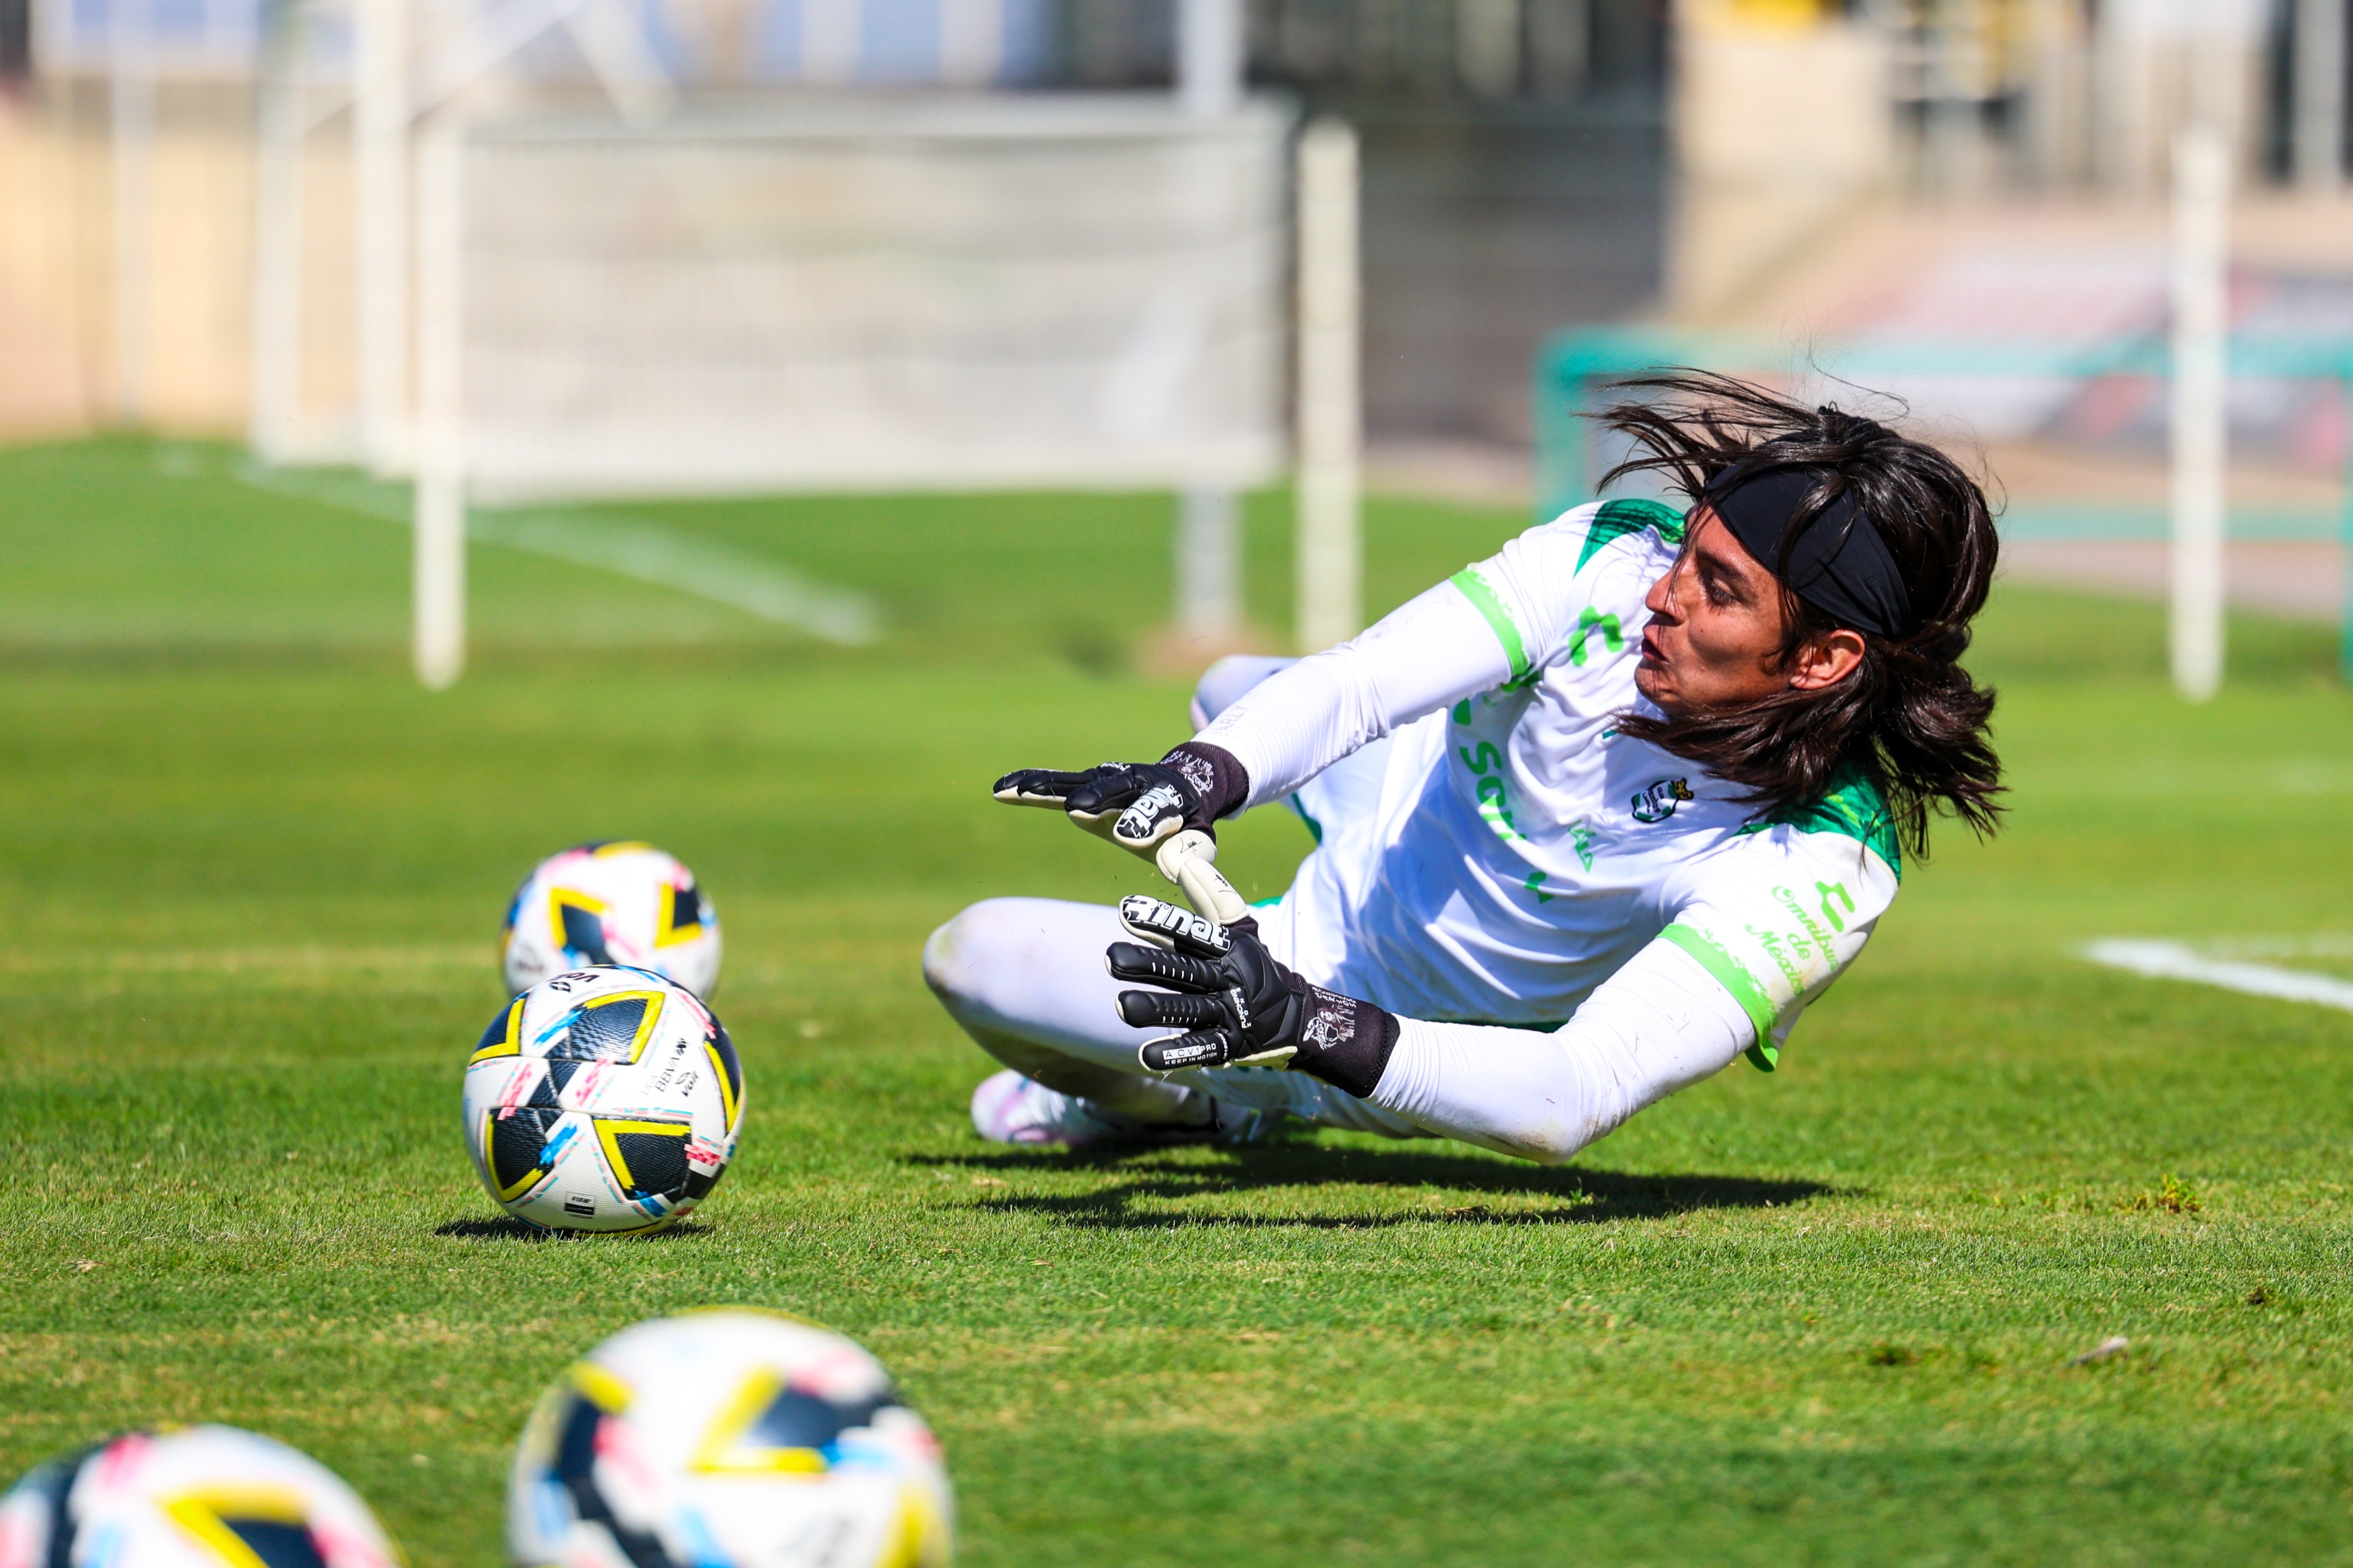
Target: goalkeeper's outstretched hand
x,y
1136,806
1165,811
1235,1004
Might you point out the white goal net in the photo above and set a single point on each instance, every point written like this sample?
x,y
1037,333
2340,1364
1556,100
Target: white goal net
x,y
989,293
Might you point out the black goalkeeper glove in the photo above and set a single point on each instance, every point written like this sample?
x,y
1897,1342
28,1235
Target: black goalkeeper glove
x,y
1237,1004
1165,811
1138,805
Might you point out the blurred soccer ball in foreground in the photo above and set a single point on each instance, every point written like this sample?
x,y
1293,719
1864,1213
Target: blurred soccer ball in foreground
x,y
610,903
729,1438
203,1497
603,1099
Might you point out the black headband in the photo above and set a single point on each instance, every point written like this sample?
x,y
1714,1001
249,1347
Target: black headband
x,y
1837,563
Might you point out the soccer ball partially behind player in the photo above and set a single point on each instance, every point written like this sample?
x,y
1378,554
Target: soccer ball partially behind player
x,y
1645,778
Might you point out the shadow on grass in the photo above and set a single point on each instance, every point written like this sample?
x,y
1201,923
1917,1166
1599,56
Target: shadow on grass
x,y
506,1227
1150,1176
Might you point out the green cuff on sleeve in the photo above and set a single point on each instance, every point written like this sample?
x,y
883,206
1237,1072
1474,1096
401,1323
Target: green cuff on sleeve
x,y
1729,973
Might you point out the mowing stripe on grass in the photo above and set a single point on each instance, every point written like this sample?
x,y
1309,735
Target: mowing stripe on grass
x,y
2171,961
247,959
702,568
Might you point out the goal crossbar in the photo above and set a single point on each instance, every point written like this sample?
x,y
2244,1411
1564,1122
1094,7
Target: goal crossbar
x,y
996,292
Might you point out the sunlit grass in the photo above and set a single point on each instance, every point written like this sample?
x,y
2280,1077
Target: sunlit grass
x,y
1821,1316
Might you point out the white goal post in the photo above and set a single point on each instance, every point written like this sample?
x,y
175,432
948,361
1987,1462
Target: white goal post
x,y
989,293
1330,557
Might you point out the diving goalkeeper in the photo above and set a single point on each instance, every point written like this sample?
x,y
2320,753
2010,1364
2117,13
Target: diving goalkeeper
x,y
1594,818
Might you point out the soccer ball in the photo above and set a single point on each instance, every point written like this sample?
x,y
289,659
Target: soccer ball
x,y
610,903
603,1099
203,1497
728,1438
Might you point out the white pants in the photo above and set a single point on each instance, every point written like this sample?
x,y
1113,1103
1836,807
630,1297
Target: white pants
x,y
1025,977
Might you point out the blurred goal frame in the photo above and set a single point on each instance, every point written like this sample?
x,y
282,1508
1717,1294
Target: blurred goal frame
x,y
447,466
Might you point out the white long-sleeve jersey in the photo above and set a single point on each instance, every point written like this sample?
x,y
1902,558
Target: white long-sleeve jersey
x,y
1523,852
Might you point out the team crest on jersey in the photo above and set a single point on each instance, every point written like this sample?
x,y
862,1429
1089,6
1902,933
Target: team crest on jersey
x,y
1658,801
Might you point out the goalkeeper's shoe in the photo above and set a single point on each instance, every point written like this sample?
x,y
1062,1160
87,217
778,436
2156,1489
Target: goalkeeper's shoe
x,y
1010,1109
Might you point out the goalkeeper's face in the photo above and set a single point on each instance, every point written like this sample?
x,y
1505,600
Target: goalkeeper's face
x,y
1718,637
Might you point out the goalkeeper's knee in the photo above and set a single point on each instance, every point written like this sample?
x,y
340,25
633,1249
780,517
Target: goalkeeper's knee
x,y
1019,963
958,955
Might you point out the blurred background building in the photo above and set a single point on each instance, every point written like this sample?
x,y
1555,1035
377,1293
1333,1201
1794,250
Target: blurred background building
x,y
1527,165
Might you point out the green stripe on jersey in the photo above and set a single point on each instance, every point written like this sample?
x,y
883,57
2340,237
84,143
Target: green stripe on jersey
x,y
1498,620
1733,976
1617,519
1853,807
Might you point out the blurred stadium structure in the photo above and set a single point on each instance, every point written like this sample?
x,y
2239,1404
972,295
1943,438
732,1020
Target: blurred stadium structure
x,y
208,221
1049,291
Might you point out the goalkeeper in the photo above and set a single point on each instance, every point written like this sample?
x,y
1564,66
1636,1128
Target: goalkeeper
x,y
1594,818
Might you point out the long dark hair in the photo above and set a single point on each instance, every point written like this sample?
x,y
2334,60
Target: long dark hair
x,y
1909,716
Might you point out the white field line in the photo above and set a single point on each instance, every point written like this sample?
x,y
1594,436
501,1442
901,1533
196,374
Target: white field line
x,y
704,568
2171,961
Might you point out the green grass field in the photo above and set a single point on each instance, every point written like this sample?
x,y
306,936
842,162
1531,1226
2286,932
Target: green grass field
x,y
1818,1317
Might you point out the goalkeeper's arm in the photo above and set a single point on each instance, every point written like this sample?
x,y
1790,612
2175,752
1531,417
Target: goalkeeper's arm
x,y
1657,1025
1433,651
1428,654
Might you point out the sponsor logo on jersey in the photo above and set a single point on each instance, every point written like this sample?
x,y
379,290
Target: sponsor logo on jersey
x,y
1821,939
1613,635
1658,801
1772,941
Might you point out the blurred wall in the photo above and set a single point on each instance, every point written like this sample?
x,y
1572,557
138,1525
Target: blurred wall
x,y
1529,164
1781,127
59,365
1487,227
45,352
1515,182
1514,170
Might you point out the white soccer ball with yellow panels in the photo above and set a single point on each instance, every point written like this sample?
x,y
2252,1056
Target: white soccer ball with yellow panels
x,y
619,902
728,1438
605,1099
202,1497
